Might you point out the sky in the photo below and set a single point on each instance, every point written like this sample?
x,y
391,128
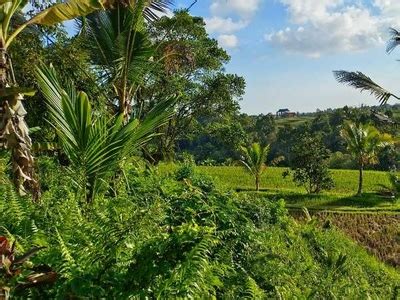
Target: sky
x,y
287,49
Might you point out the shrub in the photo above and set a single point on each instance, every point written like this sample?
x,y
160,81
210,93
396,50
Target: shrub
x,y
309,161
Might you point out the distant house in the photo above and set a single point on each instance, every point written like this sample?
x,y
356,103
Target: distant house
x,y
285,113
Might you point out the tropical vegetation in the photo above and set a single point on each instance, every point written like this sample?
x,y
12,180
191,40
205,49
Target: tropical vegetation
x,y
130,172
253,160
364,142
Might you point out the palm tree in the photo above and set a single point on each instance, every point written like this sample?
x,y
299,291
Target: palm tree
x,y
95,145
253,160
14,133
364,83
364,142
121,51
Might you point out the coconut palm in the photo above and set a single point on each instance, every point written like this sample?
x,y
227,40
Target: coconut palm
x,y
364,143
14,133
121,51
95,145
364,83
253,160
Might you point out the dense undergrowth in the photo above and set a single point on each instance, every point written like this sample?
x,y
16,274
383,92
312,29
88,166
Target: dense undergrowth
x,y
166,236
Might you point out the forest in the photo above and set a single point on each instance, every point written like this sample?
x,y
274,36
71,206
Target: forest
x,y
129,171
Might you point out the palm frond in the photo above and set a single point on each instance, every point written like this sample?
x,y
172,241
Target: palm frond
x,y
363,83
155,7
120,49
364,141
394,40
95,146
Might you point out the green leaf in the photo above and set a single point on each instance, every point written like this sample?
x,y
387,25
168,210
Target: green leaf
x,y
65,11
39,147
362,82
95,145
12,91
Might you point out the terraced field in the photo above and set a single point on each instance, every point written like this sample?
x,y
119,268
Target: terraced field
x,y
372,221
341,197
295,121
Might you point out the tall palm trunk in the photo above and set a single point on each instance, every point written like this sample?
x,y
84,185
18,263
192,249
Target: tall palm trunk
x,y
14,134
257,183
360,179
124,102
126,110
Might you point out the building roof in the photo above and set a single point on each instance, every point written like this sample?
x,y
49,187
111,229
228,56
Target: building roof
x,y
283,110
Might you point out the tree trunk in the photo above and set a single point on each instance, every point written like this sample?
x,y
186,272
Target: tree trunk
x,y
257,183
4,294
126,110
124,103
360,179
14,135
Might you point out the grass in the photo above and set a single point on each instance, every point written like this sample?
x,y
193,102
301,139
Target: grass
x,y
372,221
377,233
342,197
294,121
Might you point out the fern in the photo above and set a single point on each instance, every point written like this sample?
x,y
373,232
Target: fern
x,y
192,278
15,210
253,291
68,266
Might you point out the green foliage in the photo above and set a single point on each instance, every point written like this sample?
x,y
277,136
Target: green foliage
x,y
364,142
214,142
309,164
254,158
339,160
94,145
181,239
186,170
121,52
191,63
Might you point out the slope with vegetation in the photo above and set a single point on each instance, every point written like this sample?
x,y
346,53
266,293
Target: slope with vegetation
x,y
179,236
105,222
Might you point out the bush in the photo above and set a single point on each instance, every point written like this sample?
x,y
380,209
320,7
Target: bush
x,y
309,164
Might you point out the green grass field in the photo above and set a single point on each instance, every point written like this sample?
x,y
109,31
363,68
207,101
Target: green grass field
x,y
341,197
295,121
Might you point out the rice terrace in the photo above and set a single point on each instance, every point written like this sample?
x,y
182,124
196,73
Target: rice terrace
x,y
216,149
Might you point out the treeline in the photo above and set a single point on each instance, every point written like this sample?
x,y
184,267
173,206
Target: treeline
x,y
217,143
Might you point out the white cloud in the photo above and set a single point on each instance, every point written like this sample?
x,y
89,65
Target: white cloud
x,y
332,26
243,8
228,17
228,40
224,25
388,7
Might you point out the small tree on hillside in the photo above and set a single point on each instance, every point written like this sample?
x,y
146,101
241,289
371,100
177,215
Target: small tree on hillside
x,y
364,142
253,159
309,163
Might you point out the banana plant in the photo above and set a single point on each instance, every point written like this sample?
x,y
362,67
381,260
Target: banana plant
x,y
95,145
14,132
17,272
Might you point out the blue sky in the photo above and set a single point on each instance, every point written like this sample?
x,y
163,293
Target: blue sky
x,y
287,49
